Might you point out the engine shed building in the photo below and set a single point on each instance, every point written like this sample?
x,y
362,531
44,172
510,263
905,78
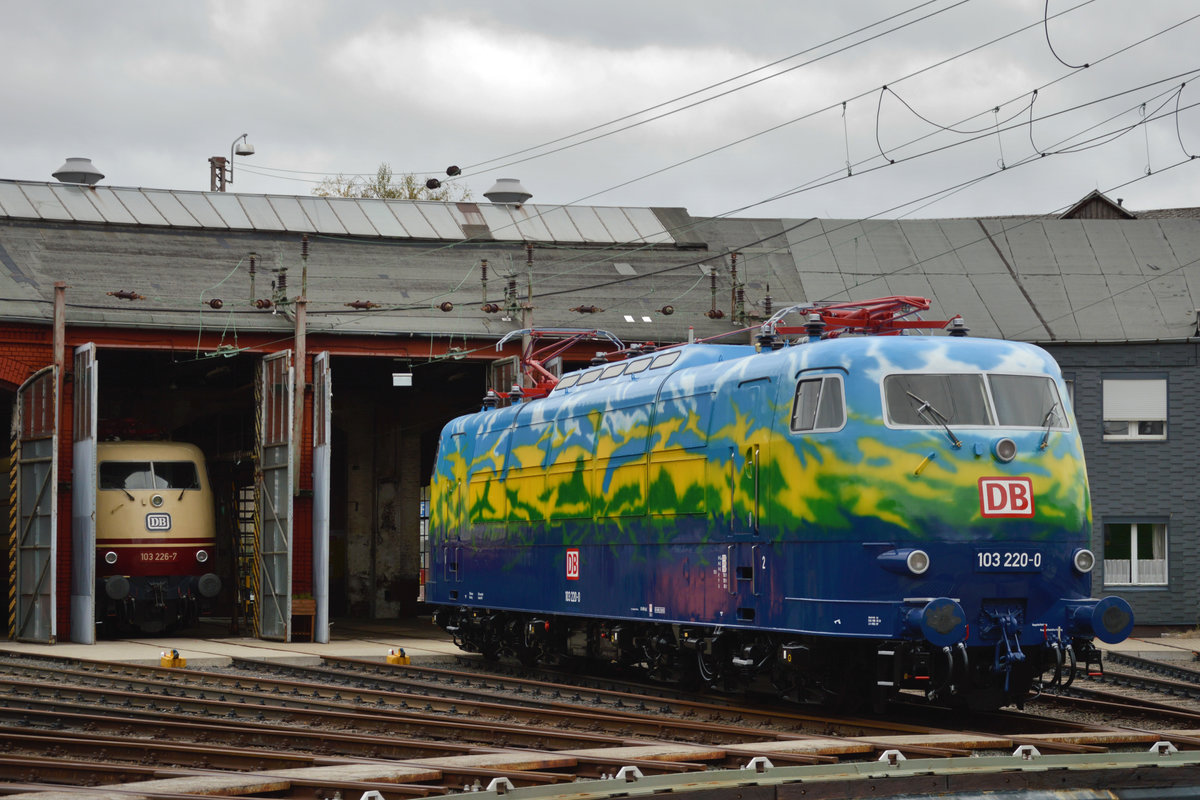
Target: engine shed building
x,y
314,347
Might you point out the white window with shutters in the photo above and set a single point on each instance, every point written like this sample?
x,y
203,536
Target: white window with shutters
x,y
1135,409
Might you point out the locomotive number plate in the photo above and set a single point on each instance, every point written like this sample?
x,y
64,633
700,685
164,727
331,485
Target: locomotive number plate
x,y
1008,561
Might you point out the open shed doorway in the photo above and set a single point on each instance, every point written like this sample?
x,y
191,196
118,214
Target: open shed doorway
x,y
209,402
387,416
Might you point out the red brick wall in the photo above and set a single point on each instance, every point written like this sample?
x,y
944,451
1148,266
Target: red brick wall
x,y
24,349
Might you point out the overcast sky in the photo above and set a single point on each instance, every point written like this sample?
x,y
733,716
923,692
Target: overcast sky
x,y
149,90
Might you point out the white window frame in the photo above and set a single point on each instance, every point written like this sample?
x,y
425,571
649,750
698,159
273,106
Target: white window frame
x,y
1141,571
1137,402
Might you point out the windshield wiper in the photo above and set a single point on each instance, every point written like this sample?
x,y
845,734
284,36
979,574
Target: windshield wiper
x,y
1047,423
932,415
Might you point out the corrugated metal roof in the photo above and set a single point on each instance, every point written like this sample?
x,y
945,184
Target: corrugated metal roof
x,y
336,216
1028,278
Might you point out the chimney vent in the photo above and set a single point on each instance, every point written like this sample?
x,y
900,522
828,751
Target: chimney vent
x,y
78,170
508,191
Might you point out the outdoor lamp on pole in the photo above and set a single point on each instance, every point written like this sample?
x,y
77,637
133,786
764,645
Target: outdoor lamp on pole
x,y
220,170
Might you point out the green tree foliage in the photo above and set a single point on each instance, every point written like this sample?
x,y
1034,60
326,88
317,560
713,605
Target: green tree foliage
x,y
389,186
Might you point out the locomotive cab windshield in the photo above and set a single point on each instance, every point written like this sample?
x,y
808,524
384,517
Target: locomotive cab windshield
x,y
973,400
149,475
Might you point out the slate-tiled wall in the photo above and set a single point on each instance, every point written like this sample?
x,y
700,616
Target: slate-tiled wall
x,y
1154,479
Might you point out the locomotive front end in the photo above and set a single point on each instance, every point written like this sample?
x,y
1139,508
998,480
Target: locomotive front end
x,y
983,530
155,536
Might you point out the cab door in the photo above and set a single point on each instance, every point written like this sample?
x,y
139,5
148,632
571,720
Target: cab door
x,y
748,491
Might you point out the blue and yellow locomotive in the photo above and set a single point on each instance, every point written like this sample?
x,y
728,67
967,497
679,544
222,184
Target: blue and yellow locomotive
x,y
845,518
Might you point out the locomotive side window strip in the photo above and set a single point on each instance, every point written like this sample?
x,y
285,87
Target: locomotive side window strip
x,y
819,404
637,366
612,371
665,360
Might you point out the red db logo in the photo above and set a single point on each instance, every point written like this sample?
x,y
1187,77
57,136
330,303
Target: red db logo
x,y
1006,497
573,564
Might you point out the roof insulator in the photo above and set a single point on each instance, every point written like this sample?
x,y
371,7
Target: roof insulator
x,y
815,327
126,294
586,309
714,313
489,308
433,183
263,303
453,170
215,303
362,304
667,310
447,306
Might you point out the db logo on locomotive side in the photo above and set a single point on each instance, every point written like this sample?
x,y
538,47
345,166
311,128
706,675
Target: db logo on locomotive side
x,y
1006,497
573,564
158,522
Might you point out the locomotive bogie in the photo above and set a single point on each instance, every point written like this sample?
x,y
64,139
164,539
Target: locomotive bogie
x,y
849,518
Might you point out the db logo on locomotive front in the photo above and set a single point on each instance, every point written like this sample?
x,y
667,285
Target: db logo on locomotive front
x,y
158,522
1006,497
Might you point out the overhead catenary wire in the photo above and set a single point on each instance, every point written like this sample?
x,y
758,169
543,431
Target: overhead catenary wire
x,y
1096,141
1104,138
838,51
266,171
817,182
859,96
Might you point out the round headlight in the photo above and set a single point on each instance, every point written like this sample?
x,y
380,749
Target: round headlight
x,y
202,556
110,557
917,562
156,501
1005,450
1085,560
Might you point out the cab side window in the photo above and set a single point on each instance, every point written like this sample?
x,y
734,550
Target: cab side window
x,y
819,405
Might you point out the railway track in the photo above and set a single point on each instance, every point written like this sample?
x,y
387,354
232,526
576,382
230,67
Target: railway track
x,y
357,726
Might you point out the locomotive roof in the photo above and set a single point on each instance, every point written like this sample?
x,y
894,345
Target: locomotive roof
x,y
642,273
876,353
